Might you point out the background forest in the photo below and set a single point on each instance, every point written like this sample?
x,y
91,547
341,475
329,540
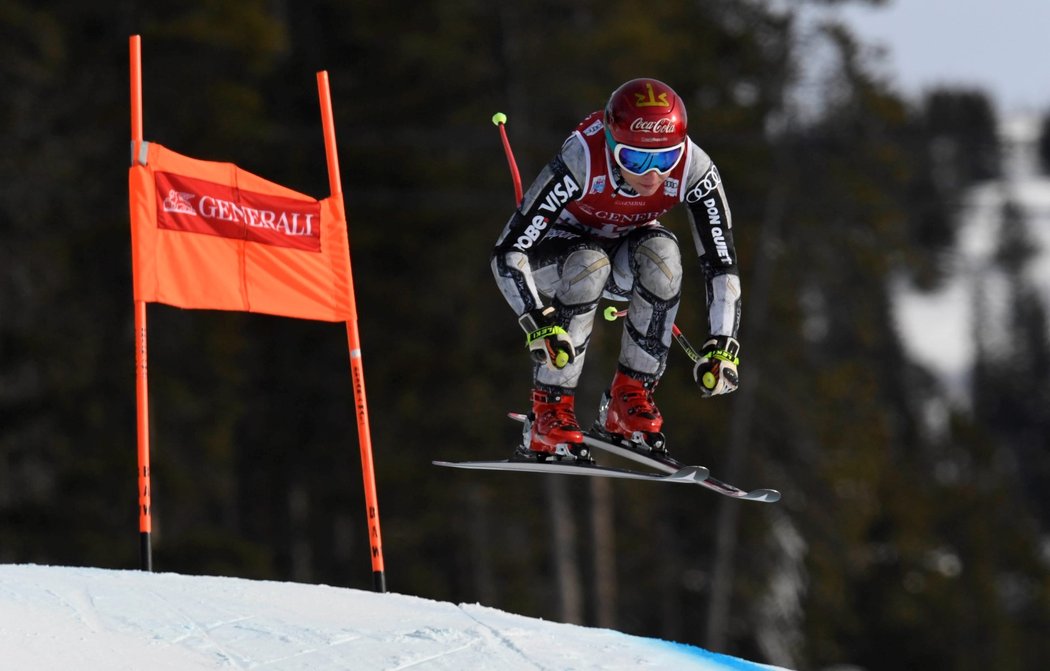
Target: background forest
x,y
913,532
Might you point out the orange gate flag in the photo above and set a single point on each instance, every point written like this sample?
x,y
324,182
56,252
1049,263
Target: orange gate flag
x,y
209,235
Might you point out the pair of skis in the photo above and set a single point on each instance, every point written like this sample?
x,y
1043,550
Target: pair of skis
x,y
667,469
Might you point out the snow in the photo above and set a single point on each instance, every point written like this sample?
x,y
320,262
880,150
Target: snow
x,y
87,619
938,327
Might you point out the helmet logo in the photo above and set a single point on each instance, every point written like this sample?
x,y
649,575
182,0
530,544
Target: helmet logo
x,y
653,100
663,125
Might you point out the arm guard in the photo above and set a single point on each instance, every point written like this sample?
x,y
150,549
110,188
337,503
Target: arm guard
x,y
712,225
543,202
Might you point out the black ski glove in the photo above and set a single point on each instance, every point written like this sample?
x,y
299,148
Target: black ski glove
x,y
715,372
547,342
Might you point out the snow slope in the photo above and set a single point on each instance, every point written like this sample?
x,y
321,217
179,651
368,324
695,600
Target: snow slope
x,y
93,619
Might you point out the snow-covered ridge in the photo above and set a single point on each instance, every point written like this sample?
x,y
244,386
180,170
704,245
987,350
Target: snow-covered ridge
x,y
88,619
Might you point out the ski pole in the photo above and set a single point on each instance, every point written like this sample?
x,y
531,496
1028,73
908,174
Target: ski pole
x,y
500,119
709,380
612,314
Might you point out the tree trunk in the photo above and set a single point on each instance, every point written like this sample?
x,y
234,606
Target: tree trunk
x,y
563,549
604,542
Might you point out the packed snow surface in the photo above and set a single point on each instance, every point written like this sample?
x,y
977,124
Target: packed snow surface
x,y
88,619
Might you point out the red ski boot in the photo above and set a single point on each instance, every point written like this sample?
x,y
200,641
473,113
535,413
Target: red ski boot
x,y
554,431
628,412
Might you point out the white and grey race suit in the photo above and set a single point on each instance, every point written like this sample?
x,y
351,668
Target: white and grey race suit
x,y
581,233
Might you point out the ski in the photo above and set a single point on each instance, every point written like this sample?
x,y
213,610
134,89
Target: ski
x,y
661,461
725,489
691,475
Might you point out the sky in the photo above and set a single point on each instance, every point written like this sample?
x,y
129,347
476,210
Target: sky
x,y
58,619
997,45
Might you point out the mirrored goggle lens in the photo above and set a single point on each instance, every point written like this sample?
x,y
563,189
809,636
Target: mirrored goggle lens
x,y
641,161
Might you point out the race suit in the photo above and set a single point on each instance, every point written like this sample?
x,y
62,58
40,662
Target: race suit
x,y
581,232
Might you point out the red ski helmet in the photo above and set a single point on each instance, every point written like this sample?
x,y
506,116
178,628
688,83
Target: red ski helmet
x,y
645,113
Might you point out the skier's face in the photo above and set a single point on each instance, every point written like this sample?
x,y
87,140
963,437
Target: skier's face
x,y
647,184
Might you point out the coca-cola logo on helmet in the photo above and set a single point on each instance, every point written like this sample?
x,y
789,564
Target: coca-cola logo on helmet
x,y
662,126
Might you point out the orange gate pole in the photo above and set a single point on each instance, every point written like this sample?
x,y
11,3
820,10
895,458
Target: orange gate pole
x,y
354,342
141,378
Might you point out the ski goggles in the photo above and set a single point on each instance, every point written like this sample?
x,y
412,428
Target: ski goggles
x,y
640,161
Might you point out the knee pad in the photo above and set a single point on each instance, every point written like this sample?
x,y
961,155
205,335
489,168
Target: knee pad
x,y
583,276
657,265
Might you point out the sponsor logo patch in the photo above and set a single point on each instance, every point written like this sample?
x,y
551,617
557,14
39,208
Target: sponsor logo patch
x,y
714,220
671,187
198,206
708,183
551,202
656,126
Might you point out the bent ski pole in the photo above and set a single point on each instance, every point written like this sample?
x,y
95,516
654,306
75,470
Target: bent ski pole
x,y
612,314
500,119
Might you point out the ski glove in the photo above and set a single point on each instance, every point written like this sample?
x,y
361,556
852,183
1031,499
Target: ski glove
x,y
548,343
715,371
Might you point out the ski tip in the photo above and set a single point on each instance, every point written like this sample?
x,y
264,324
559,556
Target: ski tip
x,y
763,495
517,416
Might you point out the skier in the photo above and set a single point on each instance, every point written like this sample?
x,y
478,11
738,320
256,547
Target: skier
x,y
587,227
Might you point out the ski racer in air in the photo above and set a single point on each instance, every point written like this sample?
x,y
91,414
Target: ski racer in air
x,y
588,227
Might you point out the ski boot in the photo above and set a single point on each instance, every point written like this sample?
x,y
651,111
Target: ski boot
x,y
552,431
627,412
